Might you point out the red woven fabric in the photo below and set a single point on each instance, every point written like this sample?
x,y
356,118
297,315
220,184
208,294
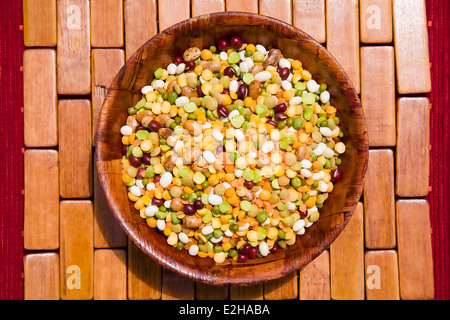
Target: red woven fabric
x,y
11,149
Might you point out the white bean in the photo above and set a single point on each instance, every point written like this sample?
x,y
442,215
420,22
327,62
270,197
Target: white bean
x,y
183,237
296,100
207,230
151,210
209,156
325,97
180,68
126,130
136,191
320,149
263,249
193,250
306,173
299,224
263,76
161,224
172,68
284,63
146,89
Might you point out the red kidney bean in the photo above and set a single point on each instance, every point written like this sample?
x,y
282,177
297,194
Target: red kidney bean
x,y
242,257
223,45
146,158
245,250
242,91
281,107
273,123
229,71
303,214
124,149
135,162
236,42
141,173
220,149
253,253
157,202
189,209
156,178
275,248
223,111
178,60
336,175
284,73
280,116
190,64
249,184
198,204
226,91
154,126
200,92
140,127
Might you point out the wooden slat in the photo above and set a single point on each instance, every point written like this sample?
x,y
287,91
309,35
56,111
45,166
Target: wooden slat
x,y
378,94
41,204
41,276
40,98
106,63
347,260
242,6
144,275
251,292
278,9
175,287
382,275
314,279
283,288
39,23
415,257
75,148
140,23
73,49
342,25
110,274
200,7
309,16
211,292
376,21
107,231
168,16
412,153
411,47
106,23
76,250
379,200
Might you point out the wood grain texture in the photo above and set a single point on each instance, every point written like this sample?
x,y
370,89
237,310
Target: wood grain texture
x,y
73,49
39,23
107,231
378,94
205,291
106,23
278,9
376,21
414,250
382,275
250,292
309,16
144,275
76,250
342,25
175,287
413,152
75,148
140,23
347,260
110,274
411,47
256,29
200,7
379,200
168,16
40,98
250,6
106,63
41,276
282,289
41,204
314,279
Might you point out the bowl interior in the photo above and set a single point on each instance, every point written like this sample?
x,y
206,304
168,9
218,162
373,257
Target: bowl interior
x,y
202,32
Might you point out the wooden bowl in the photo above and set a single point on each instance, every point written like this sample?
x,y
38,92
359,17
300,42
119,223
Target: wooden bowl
x,y
204,31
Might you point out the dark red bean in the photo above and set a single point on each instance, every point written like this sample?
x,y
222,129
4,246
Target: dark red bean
x,y
223,45
124,149
178,60
135,162
242,257
273,123
140,127
279,69
303,214
249,184
200,92
141,173
189,209
245,250
229,71
198,204
157,202
220,148
190,64
156,178
146,158
242,91
281,107
223,111
236,42
154,126
225,91
253,253
284,73
275,248
336,175
280,116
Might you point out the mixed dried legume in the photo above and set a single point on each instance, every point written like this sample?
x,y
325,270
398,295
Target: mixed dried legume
x,y
232,151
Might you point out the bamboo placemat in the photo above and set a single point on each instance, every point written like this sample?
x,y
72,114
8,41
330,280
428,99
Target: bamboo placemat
x,y
74,247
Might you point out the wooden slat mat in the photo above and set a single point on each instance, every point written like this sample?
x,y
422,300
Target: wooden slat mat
x,y
75,249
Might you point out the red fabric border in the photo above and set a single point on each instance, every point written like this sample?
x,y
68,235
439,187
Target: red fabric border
x,y
11,155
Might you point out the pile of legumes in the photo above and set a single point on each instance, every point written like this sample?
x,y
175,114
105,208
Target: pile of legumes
x,y
232,151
